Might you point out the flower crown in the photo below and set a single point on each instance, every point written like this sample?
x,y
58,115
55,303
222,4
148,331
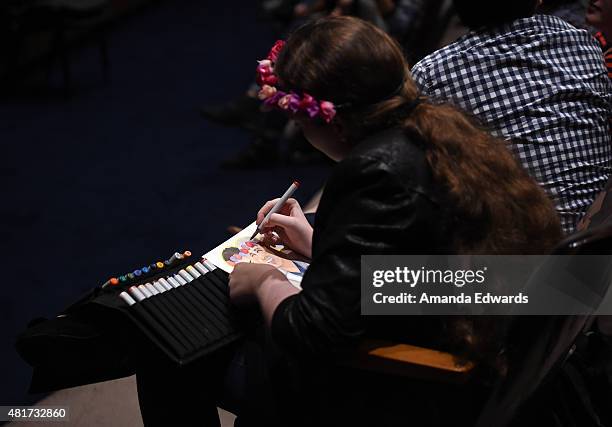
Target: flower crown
x,y
272,97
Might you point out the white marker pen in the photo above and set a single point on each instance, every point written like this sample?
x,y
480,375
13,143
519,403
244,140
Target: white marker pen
x,y
159,287
165,284
198,265
194,273
179,279
128,299
135,292
173,282
209,265
185,276
145,291
151,288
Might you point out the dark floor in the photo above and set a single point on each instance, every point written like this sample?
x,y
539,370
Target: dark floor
x,y
126,173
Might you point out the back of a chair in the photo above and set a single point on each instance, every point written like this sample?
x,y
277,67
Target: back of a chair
x,y
540,344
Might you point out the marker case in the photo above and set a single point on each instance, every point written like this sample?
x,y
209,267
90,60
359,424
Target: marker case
x,y
101,337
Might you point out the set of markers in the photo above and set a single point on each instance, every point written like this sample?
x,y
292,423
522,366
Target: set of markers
x,y
186,311
142,272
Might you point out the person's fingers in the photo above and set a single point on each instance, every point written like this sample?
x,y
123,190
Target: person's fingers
x,y
283,238
291,203
291,207
264,210
233,274
286,209
279,220
271,239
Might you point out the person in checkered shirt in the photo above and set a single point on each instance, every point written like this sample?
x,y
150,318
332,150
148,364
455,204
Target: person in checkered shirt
x,y
537,82
599,15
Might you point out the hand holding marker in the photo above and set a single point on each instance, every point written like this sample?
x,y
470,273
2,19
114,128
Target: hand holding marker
x,y
277,206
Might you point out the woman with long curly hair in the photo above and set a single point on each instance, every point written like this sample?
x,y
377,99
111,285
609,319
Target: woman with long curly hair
x,y
412,177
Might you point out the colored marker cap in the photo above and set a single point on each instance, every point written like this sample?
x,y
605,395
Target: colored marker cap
x,y
137,272
187,253
145,270
159,264
167,262
153,266
123,278
130,276
114,281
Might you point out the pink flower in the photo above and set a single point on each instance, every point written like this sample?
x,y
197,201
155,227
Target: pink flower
x,y
269,79
306,101
278,46
266,92
265,67
328,111
283,103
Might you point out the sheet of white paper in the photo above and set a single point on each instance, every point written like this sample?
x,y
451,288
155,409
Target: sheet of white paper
x,y
239,248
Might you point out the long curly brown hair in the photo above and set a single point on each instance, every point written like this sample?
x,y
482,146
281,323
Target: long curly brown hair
x,y
500,209
358,67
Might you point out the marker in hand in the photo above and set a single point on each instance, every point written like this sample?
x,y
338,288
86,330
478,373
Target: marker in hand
x,y
277,206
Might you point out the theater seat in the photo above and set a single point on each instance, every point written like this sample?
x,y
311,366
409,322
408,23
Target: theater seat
x,y
412,361
543,343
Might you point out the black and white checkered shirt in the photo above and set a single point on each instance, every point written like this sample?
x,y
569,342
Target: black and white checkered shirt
x,y
542,84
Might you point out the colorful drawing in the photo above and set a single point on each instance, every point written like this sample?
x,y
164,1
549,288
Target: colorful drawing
x,y
239,249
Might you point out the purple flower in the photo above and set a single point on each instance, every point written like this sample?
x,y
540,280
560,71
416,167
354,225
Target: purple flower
x,y
273,99
309,105
294,103
312,110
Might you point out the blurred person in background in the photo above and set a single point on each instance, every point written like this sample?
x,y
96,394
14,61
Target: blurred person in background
x,y
571,11
599,15
537,82
403,19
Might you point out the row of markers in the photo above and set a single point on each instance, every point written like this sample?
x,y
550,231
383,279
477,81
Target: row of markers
x,y
161,285
153,268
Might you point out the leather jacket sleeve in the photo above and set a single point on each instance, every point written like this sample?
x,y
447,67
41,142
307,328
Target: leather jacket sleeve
x,y
367,208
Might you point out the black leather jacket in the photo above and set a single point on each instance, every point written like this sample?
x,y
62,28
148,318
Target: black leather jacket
x,y
379,200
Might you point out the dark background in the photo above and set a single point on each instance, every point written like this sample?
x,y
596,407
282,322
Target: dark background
x,y
123,173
